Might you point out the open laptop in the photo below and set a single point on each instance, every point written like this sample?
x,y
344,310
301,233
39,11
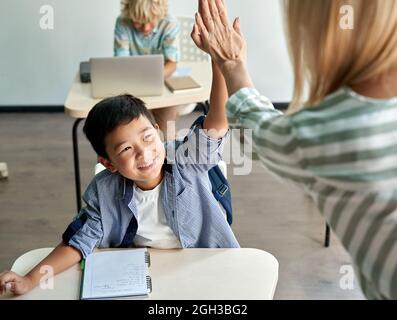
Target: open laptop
x,y
136,75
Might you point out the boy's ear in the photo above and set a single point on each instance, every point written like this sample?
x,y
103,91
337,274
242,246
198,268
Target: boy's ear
x,y
107,164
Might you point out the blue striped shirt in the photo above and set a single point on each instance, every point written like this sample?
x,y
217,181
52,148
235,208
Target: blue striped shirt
x,y
110,217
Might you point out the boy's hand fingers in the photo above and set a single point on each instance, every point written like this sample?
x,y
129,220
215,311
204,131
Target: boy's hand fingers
x,y
16,287
14,283
7,279
7,287
13,287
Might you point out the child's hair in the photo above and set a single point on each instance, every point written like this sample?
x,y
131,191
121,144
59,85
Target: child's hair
x,y
326,56
108,114
144,11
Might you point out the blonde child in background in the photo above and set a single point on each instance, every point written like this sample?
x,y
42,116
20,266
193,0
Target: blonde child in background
x,y
145,27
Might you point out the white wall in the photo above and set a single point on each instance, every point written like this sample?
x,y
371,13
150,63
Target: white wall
x,y
37,66
262,26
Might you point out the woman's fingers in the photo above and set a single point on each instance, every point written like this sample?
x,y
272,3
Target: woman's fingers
x,y
220,26
213,9
202,29
222,12
205,13
236,26
199,33
223,41
195,35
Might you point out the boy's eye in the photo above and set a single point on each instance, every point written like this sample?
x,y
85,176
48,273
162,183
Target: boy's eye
x,y
148,137
125,149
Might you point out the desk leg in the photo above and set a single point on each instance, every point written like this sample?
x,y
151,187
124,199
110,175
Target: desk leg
x,y
3,170
327,235
76,163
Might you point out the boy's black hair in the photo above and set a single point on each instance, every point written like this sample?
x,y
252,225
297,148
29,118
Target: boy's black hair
x,y
108,114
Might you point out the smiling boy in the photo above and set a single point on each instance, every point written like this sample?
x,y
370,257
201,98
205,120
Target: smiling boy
x,y
150,196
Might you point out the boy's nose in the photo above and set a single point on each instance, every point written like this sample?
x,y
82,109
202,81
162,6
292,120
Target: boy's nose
x,y
146,28
145,154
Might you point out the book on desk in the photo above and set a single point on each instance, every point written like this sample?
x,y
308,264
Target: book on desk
x,y
116,273
181,84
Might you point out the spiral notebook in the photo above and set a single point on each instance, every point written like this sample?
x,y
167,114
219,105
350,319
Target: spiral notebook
x,y
116,273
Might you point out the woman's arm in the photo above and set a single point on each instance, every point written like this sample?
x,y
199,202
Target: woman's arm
x,y
60,259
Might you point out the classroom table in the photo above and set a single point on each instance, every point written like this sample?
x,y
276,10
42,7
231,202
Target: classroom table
x,y
79,102
177,274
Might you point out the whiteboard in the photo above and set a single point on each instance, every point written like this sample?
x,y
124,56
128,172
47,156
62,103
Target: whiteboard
x,y
37,66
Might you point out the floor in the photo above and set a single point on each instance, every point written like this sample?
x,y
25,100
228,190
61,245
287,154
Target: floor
x,y
37,201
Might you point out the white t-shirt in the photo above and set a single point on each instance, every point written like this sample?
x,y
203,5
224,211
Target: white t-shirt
x,y
153,230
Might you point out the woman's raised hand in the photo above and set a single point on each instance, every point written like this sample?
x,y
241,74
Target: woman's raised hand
x,y
213,34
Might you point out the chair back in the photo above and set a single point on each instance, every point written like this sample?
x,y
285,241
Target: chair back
x,y
189,51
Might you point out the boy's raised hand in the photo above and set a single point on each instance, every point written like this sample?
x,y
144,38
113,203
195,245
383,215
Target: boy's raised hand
x,y
14,283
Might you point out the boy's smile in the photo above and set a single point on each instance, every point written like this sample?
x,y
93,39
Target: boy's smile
x,y
136,151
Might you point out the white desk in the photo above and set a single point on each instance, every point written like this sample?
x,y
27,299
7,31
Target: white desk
x,y
79,102
186,274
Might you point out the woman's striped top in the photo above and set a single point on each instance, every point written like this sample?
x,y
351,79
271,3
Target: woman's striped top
x,y
343,154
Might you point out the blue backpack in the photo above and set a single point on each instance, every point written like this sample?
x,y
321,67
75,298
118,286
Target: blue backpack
x,y
220,185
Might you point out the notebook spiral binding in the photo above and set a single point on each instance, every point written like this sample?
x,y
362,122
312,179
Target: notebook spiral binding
x,y
147,258
149,283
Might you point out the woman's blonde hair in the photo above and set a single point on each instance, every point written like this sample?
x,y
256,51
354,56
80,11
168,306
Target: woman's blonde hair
x,y
144,11
327,56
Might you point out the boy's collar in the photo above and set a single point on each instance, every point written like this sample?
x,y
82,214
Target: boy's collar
x,y
167,166
155,29
153,32
127,186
